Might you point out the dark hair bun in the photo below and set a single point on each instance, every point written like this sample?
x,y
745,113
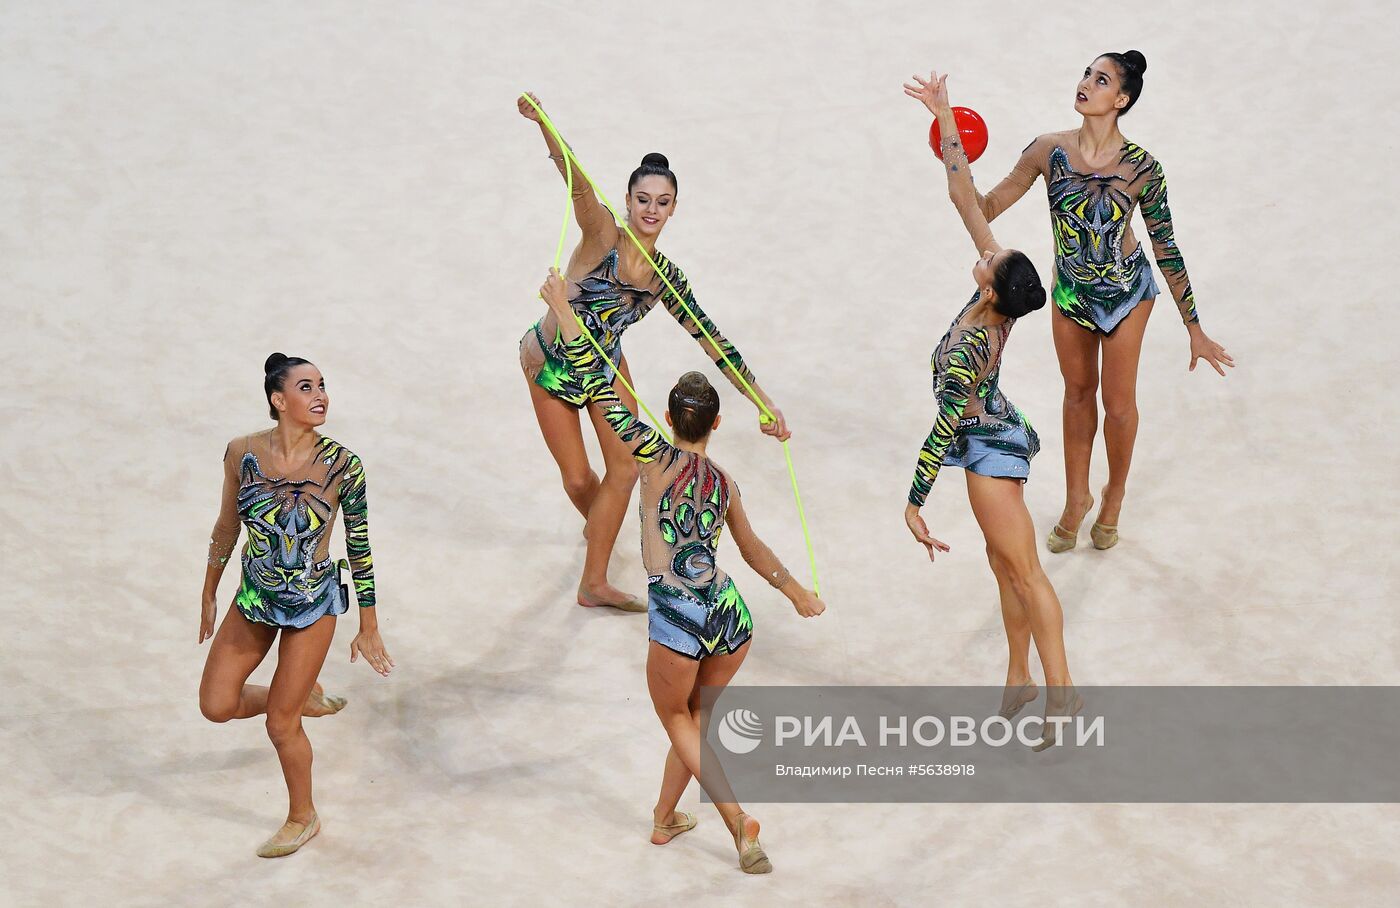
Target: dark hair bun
x,y
1136,60
1030,293
1035,297
657,159
274,362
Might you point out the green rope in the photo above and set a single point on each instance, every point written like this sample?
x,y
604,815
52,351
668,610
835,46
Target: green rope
x,y
570,162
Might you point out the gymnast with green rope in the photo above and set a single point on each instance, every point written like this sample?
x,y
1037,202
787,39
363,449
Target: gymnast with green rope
x,y
613,283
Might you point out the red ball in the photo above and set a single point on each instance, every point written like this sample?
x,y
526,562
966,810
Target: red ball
x,y
971,127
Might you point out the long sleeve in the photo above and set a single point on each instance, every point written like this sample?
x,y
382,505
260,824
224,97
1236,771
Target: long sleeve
x,y
593,218
1158,216
354,504
958,386
1009,190
755,551
645,443
678,312
224,536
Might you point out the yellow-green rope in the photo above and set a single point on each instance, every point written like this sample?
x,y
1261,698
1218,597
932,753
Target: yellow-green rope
x,y
570,162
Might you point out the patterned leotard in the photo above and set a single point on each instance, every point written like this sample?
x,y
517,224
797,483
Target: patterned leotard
x,y
1101,272
977,428
693,608
288,577
608,306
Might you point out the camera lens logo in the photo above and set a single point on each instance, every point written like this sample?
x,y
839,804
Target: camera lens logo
x,y
740,731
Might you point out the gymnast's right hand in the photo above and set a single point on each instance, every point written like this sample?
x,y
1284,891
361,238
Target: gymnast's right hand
x,y
920,530
526,110
808,604
556,293
933,91
208,611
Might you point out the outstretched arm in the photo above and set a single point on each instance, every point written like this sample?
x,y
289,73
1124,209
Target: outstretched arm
x,y
645,443
933,92
761,558
1158,216
719,351
593,218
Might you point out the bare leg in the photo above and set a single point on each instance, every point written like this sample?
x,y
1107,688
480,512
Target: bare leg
x,y
300,655
238,648
1122,351
671,679
559,424
1018,633
674,779
1078,352
609,505
716,671
1000,508
1019,688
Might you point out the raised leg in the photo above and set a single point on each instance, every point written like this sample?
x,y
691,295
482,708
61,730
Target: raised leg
x,y
238,648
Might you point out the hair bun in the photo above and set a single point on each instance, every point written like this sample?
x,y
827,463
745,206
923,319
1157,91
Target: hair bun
x,y
1136,60
656,158
273,363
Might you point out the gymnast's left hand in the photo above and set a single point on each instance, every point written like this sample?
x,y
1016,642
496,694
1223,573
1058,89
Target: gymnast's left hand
x,y
777,426
1202,347
368,644
920,530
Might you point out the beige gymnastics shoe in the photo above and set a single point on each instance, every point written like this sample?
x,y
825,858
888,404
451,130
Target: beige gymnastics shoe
x,y
671,830
1104,537
752,858
1012,701
277,847
1072,709
1062,539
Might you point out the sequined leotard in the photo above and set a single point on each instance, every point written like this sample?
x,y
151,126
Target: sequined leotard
x,y
288,577
694,608
608,306
1101,272
977,428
